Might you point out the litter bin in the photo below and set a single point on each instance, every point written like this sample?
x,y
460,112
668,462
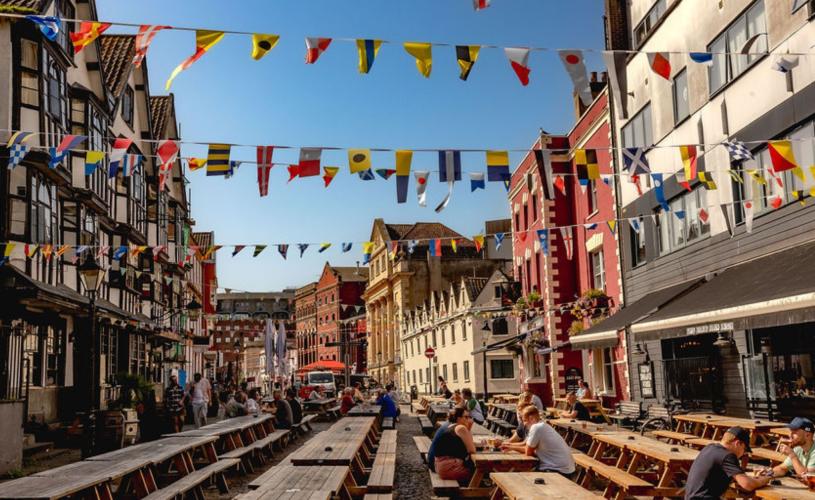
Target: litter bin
x,y
414,393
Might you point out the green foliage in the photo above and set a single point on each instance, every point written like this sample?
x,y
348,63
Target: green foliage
x,y
134,389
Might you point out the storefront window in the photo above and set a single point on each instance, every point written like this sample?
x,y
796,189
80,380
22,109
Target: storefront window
x,y
784,362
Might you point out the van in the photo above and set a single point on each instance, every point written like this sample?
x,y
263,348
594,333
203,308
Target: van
x,y
324,379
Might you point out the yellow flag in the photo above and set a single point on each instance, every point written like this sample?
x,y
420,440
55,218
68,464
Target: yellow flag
x,y
9,249
403,160
204,40
423,52
454,244
757,176
359,160
262,44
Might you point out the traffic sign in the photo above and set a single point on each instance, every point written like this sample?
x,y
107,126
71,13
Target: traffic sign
x,y
430,353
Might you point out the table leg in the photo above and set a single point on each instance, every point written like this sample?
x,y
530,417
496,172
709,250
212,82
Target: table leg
x,y
599,448
478,476
667,477
622,460
140,485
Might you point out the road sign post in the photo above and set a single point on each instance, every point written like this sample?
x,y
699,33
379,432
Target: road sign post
x,y
430,353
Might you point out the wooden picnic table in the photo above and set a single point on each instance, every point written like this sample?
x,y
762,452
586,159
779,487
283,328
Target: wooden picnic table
x,y
365,410
789,489
341,444
695,423
438,411
759,429
522,486
480,430
93,478
578,433
488,462
287,481
595,407
232,433
504,411
506,398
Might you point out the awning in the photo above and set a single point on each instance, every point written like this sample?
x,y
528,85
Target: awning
x,y
17,286
775,290
333,366
501,344
604,334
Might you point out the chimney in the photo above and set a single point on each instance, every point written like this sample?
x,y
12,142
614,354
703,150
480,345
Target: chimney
x,y
616,24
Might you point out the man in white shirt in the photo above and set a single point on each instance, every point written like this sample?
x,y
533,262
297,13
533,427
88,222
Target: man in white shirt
x,y
544,442
200,394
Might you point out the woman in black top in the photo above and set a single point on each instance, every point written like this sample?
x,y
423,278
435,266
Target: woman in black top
x,y
296,409
454,447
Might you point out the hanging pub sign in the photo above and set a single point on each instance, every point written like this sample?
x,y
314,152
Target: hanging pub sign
x,y
646,375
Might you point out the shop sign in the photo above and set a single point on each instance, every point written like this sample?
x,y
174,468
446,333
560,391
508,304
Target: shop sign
x,y
709,328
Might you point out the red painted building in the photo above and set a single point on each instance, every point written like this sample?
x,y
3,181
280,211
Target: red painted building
x,y
340,307
596,256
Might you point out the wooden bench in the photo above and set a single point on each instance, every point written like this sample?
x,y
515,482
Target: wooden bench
x,y
243,455
334,412
378,496
388,423
443,487
774,457
305,424
418,408
628,413
618,479
501,426
382,474
194,480
423,444
268,443
428,427
672,436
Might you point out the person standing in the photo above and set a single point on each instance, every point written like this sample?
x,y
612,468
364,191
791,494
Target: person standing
x,y
200,394
174,400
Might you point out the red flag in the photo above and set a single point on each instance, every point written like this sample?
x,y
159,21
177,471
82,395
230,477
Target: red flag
x,y
315,47
264,154
167,152
560,184
519,60
88,32
660,64
309,164
143,40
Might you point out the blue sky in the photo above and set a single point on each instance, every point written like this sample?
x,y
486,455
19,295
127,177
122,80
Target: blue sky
x,y
228,97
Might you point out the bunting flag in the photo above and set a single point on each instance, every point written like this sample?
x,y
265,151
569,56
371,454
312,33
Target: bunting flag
x,y
748,216
519,60
776,202
543,158
9,247
589,159
258,249
568,241
616,64
167,152
411,246
635,224
324,247
434,246
120,252
385,173
49,26
92,160
421,186
302,247
17,154
423,53
756,175
368,50
283,250
738,151
264,163
784,63
359,160
725,207
315,48
705,58
703,216
78,252
218,159
476,181
46,251
454,245
394,249
497,166
782,156
612,226
31,250
680,214
204,41
309,163
481,4
479,242
403,160
367,250
117,155
660,64
143,40
262,44
449,165
238,249
329,173
573,62
346,247
735,176
688,154
68,143
543,239
367,175
88,32
706,178
102,252
635,162
19,137
136,250
499,240
560,184
590,227
466,56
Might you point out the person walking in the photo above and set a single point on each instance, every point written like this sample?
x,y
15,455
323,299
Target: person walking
x,y
174,401
200,394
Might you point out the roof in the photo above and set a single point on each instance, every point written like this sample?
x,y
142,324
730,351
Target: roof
x,y
350,274
474,286
398,231
774,290
21,6
204,239
285,294
160,106
116,55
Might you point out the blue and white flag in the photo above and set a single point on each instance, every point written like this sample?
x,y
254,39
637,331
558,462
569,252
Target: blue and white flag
x,y
302,247
130,163
449,166
346,247
543,238
48,25
120,252
499,240
705,58
367,175
411,246
476,181
635,162
660,192
635,224
16,154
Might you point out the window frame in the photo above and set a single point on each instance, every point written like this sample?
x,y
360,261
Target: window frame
x,y
681,75
502,363
647,132
722,42
128,105
649,22
598,269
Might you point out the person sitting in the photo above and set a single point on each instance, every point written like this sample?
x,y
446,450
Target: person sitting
x,y
294,404
527,398
574,408
472,405
281,410
543,442
718,464
253,402
358,397
454,447
445,391
234,407
431,451
583,390
520,432
317,393
457,400
800,451
389,409
347,401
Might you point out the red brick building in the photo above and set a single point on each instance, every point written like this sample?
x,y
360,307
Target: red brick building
x,y
305,312
596,256
340,304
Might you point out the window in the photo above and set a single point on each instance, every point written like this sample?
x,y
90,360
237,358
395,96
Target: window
x,y
517,221
680,95
56,101
534,207
598,270
65,10
463,331
444,371
452,333
637,132
675,232
109,348
728,62
43,218
502,368
139,355
442,338
466,371
29,73
649,22
608,370
499,326
592,197
127,106
455,372
637,245
526,216
420,376
498,292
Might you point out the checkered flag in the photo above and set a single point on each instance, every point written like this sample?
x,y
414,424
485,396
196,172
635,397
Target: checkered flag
x,y
738,151
16,154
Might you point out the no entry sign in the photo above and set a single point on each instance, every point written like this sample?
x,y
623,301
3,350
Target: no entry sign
x,y
430,353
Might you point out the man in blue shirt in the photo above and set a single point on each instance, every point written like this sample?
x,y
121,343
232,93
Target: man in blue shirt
x,y
389,409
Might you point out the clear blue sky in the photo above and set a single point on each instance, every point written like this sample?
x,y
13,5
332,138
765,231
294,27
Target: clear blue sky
x,y
228,97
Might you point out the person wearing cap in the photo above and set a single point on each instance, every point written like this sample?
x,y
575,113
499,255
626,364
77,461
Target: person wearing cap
x,y
718,464
800,451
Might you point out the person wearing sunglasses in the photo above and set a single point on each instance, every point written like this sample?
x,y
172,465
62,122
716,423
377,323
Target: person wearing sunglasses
x,y
453,446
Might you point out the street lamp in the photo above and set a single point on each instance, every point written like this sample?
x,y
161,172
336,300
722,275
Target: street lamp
x,y
91,276
485,329
194,310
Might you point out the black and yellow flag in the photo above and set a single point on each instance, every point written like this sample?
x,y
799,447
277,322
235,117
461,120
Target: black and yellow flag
x,y
262,44
359,160
466,56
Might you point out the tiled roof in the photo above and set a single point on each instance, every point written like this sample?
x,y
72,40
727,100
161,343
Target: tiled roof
x,y
424,231
474,286
117,56
22,6
160,106
397,231
349,274
204,239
